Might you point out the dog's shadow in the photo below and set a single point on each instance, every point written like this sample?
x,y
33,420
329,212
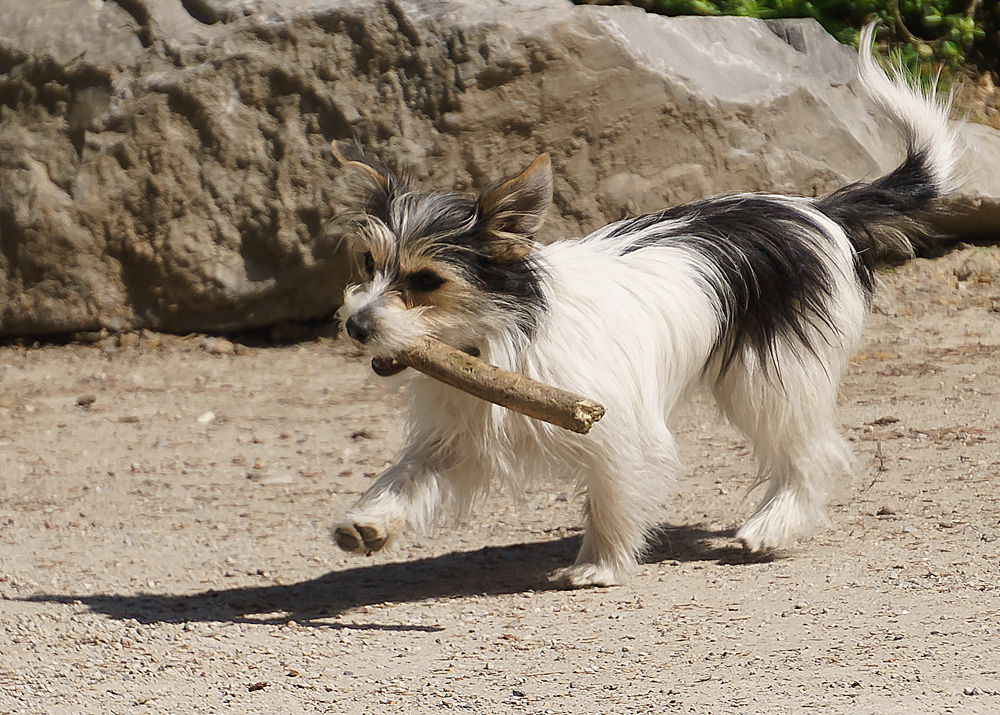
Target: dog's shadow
x,y
493,570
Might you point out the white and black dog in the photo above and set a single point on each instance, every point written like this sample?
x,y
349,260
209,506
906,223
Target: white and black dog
x,y
760,298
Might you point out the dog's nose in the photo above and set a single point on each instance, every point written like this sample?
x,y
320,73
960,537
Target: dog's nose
x,y
360,327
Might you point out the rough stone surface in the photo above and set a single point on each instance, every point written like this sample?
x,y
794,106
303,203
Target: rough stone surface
x,y
166,163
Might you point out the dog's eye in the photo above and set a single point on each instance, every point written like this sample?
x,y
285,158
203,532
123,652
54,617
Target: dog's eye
x,y
425,281
369,263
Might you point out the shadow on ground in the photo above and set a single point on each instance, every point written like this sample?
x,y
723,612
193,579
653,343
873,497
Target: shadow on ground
x,y
492,570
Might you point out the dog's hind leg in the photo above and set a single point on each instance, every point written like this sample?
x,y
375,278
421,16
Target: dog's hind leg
x,y
791,424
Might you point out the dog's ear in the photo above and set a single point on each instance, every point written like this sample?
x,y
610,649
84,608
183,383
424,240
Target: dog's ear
x,y
513,211
376,175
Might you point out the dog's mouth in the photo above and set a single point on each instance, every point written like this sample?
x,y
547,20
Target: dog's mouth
x,y
387,367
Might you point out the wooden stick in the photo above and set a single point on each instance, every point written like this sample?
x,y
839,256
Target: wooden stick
x,y
501,387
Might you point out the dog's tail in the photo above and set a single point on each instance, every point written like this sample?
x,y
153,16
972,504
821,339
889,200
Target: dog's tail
x,y
881,217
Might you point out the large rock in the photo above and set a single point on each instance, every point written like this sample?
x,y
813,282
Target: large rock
x,y
166,163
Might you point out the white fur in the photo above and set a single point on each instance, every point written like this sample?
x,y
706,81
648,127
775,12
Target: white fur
x,y
396,326
639,345
637,332
919,114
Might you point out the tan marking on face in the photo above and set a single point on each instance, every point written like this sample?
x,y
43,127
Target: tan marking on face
x,y
395,300
453,297
451,304
373,237
411,265
380,251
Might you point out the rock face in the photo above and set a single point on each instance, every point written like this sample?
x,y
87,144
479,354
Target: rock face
x,y
166,163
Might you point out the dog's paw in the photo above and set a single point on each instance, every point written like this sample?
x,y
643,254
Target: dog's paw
x,y
360,538
776,525
754,540
585,576
755,550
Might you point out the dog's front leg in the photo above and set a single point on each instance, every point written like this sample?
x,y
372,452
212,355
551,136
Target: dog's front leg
x,y
618,516
408,495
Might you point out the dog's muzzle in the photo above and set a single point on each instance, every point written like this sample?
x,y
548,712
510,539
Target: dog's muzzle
x,y
360,327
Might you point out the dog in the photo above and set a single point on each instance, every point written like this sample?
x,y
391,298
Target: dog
x,y
759,298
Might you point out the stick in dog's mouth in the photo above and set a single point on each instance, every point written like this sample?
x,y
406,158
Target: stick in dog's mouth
x,y
464,370
387,367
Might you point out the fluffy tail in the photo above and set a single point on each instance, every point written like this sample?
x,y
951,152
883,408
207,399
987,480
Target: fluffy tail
x,y
883,217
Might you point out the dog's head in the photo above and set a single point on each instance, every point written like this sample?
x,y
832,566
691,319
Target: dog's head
x,y
443,264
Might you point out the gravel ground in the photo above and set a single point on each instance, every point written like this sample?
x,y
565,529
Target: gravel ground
x,y
165,501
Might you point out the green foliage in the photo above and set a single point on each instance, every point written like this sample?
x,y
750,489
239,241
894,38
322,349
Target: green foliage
x,y
928,33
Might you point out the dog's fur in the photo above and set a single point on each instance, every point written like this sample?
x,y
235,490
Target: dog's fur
x,y
761,298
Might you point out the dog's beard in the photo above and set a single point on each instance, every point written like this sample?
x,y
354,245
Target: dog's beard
x,y
397,327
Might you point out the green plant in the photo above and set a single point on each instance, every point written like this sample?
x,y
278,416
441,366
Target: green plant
x,y
928,33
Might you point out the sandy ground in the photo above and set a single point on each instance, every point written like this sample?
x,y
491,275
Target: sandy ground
x,y
158,558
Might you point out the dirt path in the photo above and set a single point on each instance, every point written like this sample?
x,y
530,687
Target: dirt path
x,y
164,546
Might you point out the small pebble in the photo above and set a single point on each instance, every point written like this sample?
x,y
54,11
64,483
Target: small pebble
x,y
218,346
205,417
128,340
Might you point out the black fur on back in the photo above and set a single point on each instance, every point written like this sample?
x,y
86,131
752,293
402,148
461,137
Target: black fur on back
x,y
770,276
776,282
881,218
